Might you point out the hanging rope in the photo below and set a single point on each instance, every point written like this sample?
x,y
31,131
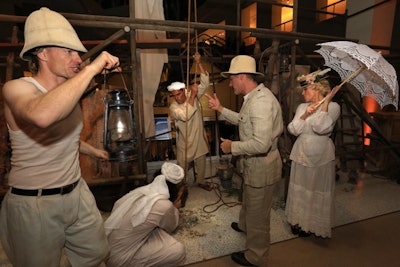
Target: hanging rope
x,y
188,76
215,186
195,75
195,32
187,88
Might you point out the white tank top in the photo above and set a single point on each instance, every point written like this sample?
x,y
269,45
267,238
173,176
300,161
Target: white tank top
x,y
46,158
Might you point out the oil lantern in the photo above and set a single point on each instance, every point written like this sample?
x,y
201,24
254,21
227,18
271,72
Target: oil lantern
x,y
119,138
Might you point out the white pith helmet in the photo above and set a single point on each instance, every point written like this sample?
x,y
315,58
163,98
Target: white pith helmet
x,y
45,27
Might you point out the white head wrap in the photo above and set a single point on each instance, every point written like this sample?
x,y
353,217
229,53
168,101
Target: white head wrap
x,y
176,86
140,200
172,172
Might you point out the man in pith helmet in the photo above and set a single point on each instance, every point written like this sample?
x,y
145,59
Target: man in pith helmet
x,y
49,207
260,126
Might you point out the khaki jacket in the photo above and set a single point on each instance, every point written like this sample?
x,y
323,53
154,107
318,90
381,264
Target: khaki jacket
x,y
260,126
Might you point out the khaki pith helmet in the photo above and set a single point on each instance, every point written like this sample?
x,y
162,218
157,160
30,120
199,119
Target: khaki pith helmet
x,y
242,64
45,27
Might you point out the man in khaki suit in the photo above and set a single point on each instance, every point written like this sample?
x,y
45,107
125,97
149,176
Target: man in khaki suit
x,y
260,126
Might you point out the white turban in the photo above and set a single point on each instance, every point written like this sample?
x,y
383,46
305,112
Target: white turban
x,y
172,172
176,86
140,200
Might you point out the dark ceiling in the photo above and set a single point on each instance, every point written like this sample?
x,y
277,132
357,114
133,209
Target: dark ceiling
x,y
207,11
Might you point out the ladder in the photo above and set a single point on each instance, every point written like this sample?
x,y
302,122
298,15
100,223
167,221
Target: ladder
x,y
346,152
348,138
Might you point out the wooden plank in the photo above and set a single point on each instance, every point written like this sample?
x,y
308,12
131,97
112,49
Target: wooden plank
x,y
156,43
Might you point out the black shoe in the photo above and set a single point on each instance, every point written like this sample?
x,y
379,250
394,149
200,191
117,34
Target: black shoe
x,y
235,226
304,234
295,229
240,259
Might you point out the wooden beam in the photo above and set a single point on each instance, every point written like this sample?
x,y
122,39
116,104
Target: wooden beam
x,y
176,26
149,44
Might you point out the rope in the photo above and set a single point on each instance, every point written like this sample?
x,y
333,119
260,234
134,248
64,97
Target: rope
x,y
187,83
216,187
187,88
218,192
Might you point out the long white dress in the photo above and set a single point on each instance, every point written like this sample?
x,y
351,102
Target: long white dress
x,y
310,197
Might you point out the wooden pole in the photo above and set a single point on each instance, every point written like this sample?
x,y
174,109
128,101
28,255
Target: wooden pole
x,y
176,26
106,42
272,63
137,92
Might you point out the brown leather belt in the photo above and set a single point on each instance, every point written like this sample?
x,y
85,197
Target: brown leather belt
x,y
45,192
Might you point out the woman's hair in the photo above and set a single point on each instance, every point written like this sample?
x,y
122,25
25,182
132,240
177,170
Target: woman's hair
x,y
322,86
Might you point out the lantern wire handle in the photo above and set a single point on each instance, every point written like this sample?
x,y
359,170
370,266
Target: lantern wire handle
x,y
123,82
125,87
105,81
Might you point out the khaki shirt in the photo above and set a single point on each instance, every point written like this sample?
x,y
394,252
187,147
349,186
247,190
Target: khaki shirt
x,y
260,126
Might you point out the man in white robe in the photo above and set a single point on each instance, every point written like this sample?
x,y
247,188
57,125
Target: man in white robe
x,y
186,110
140,223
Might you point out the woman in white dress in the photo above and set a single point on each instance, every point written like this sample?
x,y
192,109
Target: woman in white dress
x,y
309,204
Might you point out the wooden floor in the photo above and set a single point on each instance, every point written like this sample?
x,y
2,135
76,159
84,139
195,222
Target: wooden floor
x,y
370,243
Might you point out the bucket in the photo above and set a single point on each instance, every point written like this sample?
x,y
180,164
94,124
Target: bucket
x,y
225,172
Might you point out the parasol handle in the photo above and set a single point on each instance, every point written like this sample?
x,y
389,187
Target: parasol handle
x,y
354,74
336,89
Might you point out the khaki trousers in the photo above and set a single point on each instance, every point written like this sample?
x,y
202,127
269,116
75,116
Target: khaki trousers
x,y
35,229
199,167
254,219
